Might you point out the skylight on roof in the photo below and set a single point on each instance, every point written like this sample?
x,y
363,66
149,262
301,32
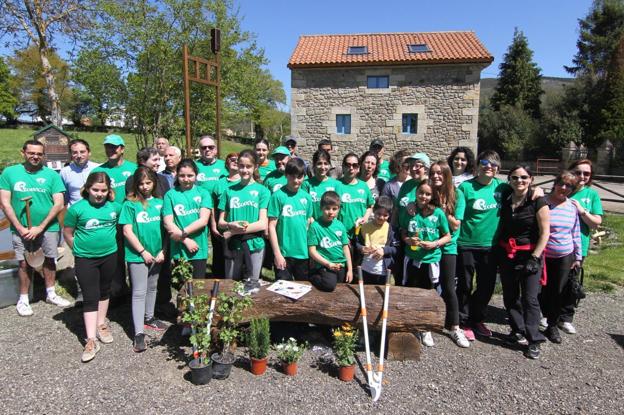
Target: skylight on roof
x,y
418,48
357,50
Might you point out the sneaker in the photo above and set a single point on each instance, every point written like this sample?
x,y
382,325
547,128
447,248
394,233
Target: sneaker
x,y
552,332
468,333
543,324
482,330
139,343
252,287
567,327
58,301
155,324
458,337
24,309
517,338
90,350
533,351
104,333
426,338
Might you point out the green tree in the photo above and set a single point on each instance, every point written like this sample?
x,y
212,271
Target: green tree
x,y
612,112
7,99
510,131
519,80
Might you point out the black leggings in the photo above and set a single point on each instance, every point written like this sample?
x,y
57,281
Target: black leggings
x,y
449,295
482,263
552,296
296,269
326,280
94,276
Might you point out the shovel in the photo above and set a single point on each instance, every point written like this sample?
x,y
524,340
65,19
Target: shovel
x,y
33,257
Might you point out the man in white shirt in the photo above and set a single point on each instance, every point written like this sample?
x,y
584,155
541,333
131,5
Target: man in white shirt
x,y
75,174
161,144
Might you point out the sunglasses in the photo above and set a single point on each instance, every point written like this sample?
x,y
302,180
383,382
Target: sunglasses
x,y
232,159
582,173
486,163
208,147
523,177
351,165
564,184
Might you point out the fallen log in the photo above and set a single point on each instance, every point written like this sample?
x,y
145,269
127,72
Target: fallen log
x,y
410,309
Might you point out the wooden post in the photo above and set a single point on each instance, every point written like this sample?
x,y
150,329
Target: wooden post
x,y
218,104
187,101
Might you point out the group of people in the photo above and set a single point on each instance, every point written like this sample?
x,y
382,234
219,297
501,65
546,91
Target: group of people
x,y
450,225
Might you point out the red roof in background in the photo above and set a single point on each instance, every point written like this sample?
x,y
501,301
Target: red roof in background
x,y
388,48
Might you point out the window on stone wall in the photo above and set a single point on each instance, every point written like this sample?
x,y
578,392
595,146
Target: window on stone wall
x,y
382,81
343,123
410,124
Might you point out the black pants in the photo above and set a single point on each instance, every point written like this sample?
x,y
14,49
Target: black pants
x,y
119,286
370,278
296,269
163,291
325,279
568,306
520,292
472,305
199,269
448,266
218,259
397,267
552,296
418,277
94,276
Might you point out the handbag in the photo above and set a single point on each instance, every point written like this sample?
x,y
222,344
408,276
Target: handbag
x,y
575,285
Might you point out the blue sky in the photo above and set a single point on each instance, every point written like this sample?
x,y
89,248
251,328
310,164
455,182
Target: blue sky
x,y
551,26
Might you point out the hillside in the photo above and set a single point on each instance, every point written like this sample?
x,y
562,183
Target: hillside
x,y
550,85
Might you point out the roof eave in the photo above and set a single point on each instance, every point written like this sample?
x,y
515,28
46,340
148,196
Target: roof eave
x,y
486,61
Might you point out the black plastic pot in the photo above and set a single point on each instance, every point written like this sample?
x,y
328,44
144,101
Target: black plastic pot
x,y
222,365
200,373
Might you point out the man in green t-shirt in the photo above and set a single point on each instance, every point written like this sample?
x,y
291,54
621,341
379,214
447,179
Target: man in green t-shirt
x,y
211,169
276,179
290,210
383,172
31,187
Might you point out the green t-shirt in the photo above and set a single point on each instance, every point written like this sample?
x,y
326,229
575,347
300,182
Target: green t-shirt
x,y
275,180
185,206
316,190
460,207
383,172
427,228
479,229
42,185
407,195
263,171
292,211
589,199
219,189
146,225
118,175
95,228
209,174
328,238
243,203
355,199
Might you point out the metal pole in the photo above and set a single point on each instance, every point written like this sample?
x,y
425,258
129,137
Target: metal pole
x,y
187,101
218,104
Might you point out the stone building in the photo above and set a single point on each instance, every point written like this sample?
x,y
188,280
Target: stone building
x,y
418,91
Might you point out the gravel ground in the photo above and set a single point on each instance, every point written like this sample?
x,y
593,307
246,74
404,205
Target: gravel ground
x,y
42,373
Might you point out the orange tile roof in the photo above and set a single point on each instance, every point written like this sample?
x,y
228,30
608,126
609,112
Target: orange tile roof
x,y
388,48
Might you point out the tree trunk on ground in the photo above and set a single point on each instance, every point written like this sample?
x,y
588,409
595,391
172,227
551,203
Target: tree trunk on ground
x,y
409,310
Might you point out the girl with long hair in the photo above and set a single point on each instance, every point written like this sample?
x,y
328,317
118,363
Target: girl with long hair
x,y
320,182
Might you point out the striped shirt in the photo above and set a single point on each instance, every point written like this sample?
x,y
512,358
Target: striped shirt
x,y
565,235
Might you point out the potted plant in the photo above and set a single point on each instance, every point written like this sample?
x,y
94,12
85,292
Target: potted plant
x,y
345,341
230,308
259,342
289,352
196,315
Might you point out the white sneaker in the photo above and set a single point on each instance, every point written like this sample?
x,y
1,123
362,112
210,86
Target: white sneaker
x,y
426,338
543,325
567,327
458,337
58,301
24,309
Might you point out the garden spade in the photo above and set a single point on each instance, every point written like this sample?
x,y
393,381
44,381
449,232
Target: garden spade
x,y
33,257
213,300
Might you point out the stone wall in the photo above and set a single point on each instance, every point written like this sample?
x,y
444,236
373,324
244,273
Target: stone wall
x,y
445,97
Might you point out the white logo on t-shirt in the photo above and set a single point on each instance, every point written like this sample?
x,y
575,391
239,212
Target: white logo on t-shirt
x,y
113,215
181,211
143,217
313,196
338,234
197,199
126,174
361,191
92,224
288,211
303,201
404,201
235,203
201,177
254,193
481,204
41,180
327,243
21,187
277,187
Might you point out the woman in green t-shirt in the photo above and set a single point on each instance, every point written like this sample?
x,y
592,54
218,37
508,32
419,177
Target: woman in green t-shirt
x,y
141,220
243,219
91,232
186,211
265,164
320,182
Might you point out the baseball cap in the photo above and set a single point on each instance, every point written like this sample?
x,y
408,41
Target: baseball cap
x,y
422,157
289,138
376,143
114,139
280,150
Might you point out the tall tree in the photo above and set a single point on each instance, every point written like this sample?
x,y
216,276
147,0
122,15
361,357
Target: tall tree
x,y
612,112
519,80
7,98
37,22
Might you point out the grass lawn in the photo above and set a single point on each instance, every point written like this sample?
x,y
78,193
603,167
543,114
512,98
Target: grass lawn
x,y
604,266
12,139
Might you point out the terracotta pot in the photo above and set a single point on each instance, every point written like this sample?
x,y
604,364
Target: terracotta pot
x,y
346,373
290,369
258,366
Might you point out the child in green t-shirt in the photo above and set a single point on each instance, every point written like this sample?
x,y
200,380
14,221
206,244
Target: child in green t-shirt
x,y
145,253
290,211
328,246
320,182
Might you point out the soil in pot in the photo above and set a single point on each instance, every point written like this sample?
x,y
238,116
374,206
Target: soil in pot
x,y
346,373
290,369
258,366
222,365
200,373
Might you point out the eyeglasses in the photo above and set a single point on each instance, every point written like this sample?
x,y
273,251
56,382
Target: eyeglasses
x,y
523,177
582,173
418,166
486,163
232,159
208,147
564,184
351,165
